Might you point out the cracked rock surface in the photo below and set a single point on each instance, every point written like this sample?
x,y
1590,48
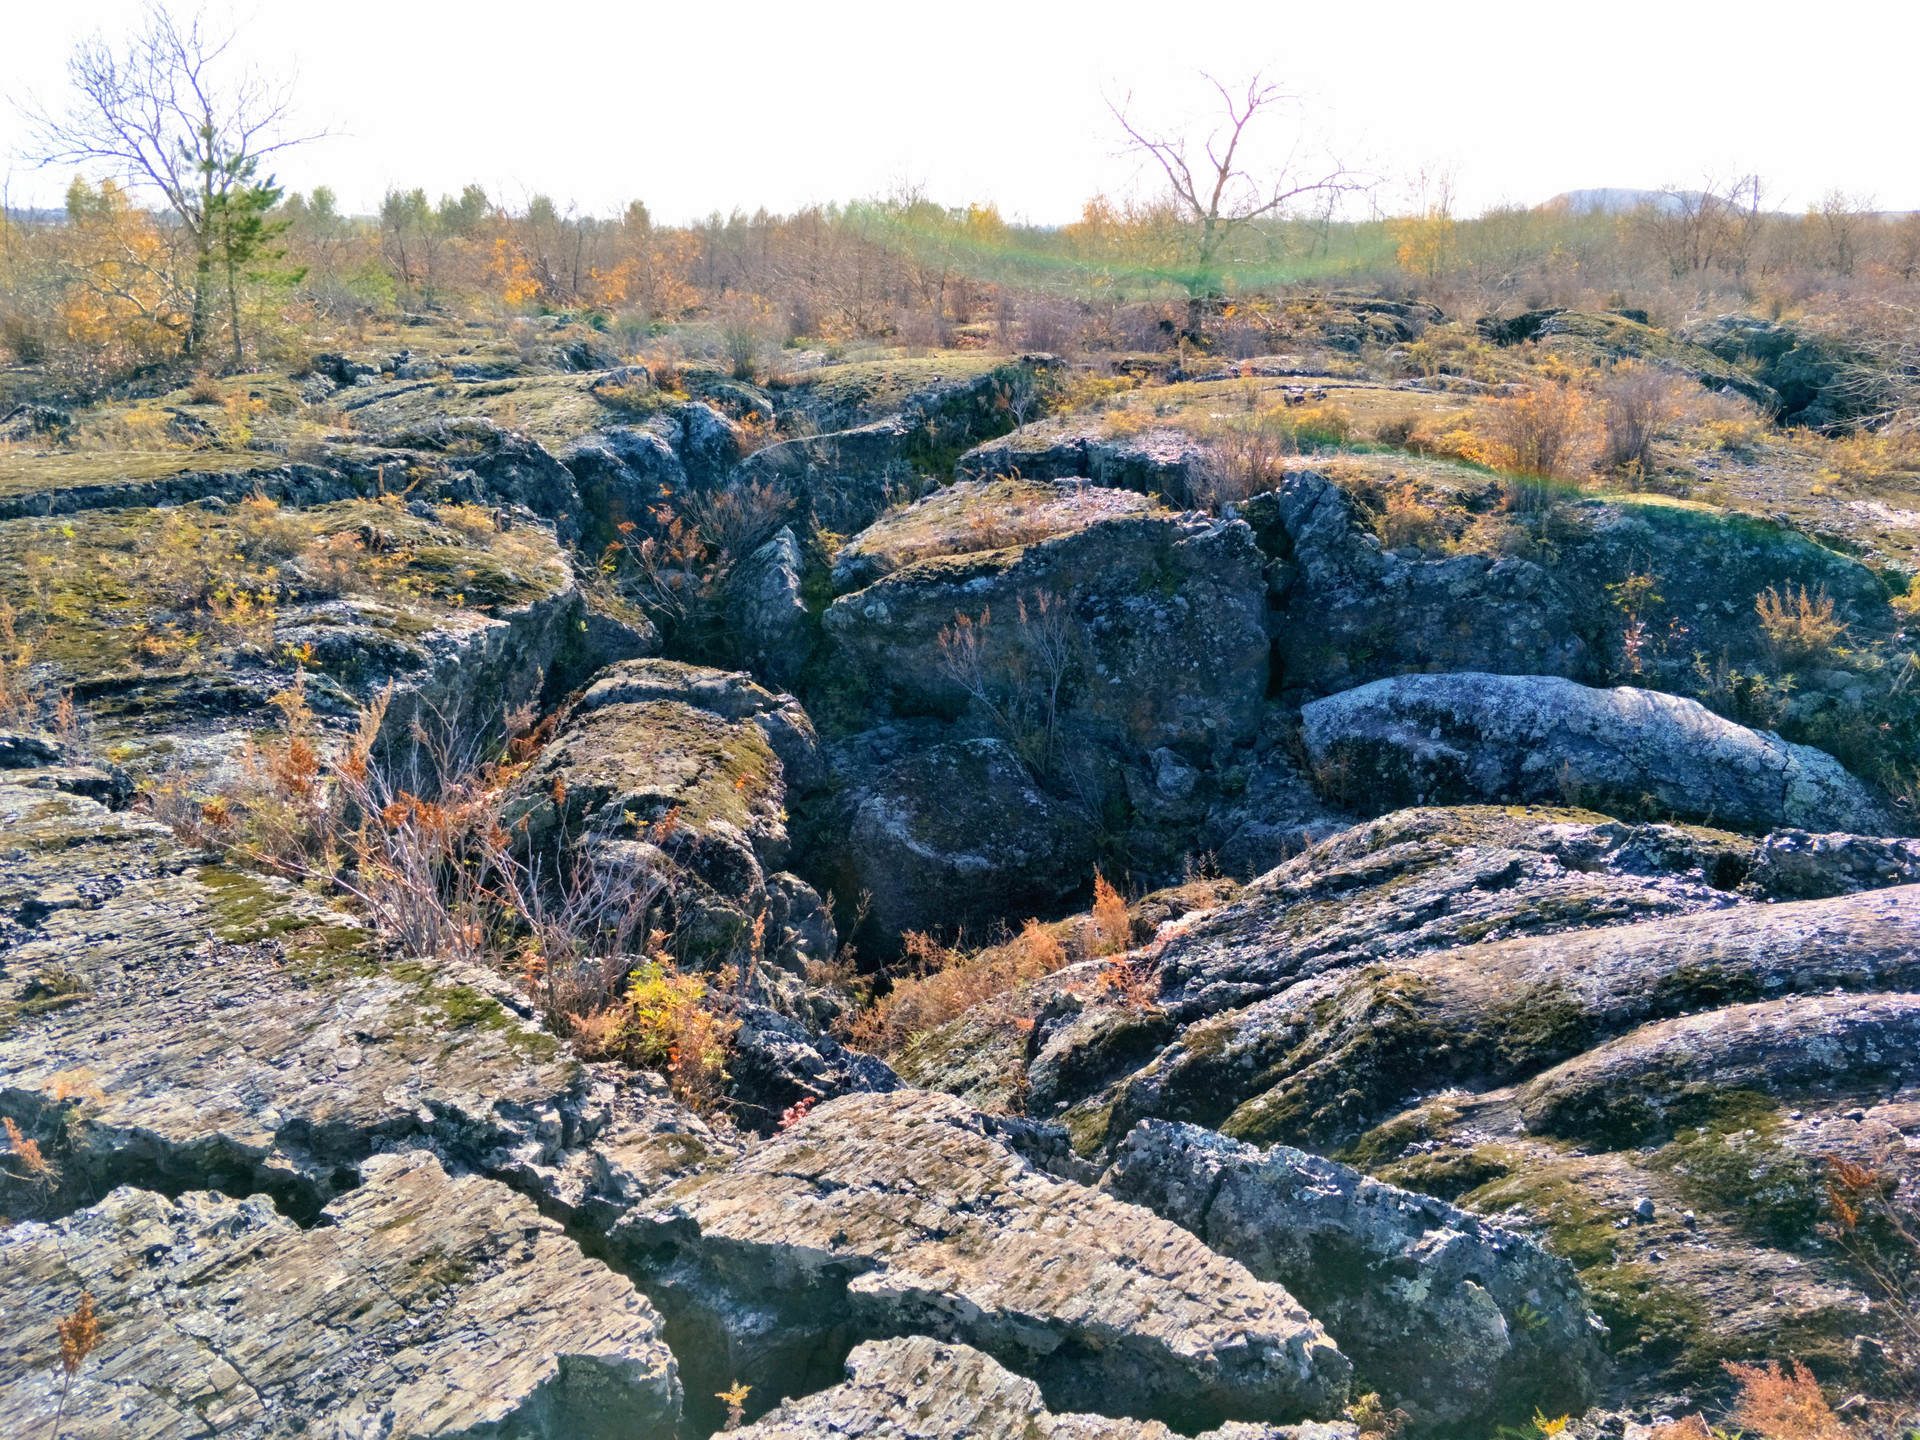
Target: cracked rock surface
x,y
884,1215
925,1389
428,1305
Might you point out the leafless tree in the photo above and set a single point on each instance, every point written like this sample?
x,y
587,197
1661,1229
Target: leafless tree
x,y
169,111
1218,180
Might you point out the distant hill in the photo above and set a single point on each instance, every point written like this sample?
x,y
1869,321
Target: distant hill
x,y
1611,200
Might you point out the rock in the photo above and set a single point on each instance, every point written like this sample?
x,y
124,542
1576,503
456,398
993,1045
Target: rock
x,y
1353,612
1264,813
710,444
32,422
730,694
1450,738
497,467
1643,1208
1327,1057
1643,1085
24,750
974,516
840,482
1158,622
885,1215
922,1389
624,473
427,1304
944,833
1165,463
1461,1324
770,626
1431,879
777,1063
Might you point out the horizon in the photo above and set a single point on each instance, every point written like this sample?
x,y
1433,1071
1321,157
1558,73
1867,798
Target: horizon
x,y
690,140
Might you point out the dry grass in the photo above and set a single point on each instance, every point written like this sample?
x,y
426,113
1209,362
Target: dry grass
x,y
1800,626
948,982
1782,1404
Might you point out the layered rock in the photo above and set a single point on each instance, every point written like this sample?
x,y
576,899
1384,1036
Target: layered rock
x,y
1447,739
888,1215
945,833
771,628
676,772
922,1389
1454,1320
1155,626
425,1305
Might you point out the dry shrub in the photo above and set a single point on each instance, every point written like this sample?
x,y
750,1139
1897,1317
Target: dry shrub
x,y
1112,926
205,390
1544,433
1799,625
1406,521
1324,424
951,982
664,1023
1635,402
1781,1404
1245,455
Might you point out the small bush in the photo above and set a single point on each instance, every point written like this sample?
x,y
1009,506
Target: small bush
x,y
1544,433
205,390
949,982
1781,1404
1799,626
1406,521
1635,401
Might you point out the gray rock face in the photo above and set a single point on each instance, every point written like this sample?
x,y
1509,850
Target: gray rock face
x,y
1354,612
428,1305
923,1389
776,1063
1445,739
623,473
946,832
844,481
1458,1322
1333,1053
767,613
1644,1084
710,444
1432,879
884,1215
1166,463
1163,630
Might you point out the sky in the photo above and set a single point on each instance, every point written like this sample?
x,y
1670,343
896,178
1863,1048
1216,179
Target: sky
x,y
697,108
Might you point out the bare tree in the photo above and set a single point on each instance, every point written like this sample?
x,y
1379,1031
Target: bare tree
x,y
1216,180
169,113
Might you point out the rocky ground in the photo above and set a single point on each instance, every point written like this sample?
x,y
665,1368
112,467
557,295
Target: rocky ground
x,y
1495,993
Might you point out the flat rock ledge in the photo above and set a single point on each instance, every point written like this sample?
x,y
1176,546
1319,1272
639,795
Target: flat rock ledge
x,y
923,1389
884,1215
1446,1315
430,1305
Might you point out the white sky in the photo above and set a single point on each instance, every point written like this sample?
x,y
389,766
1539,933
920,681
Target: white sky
x,y
700,107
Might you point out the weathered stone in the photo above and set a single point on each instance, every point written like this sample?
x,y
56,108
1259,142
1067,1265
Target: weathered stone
x,y
769,624
885,1215
944,833
1159,624
1644,1084
923,1389
710,444
1165,462
974,516
1431,879
1448,1317
775,1063
426,1305
1446,739
1329,1056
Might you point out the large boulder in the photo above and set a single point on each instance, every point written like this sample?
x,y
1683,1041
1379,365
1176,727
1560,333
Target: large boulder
x,y
768,621
945,833
1166,463
841,482
1153,627
890,1215
425,1304
1456,1321
924,1389
643,775
1445,739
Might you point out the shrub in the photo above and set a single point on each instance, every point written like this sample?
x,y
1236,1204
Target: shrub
x,y
205,390
1635,400
1112,926
663,1023
1781,1404
1406,521
1799,626
1543,433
